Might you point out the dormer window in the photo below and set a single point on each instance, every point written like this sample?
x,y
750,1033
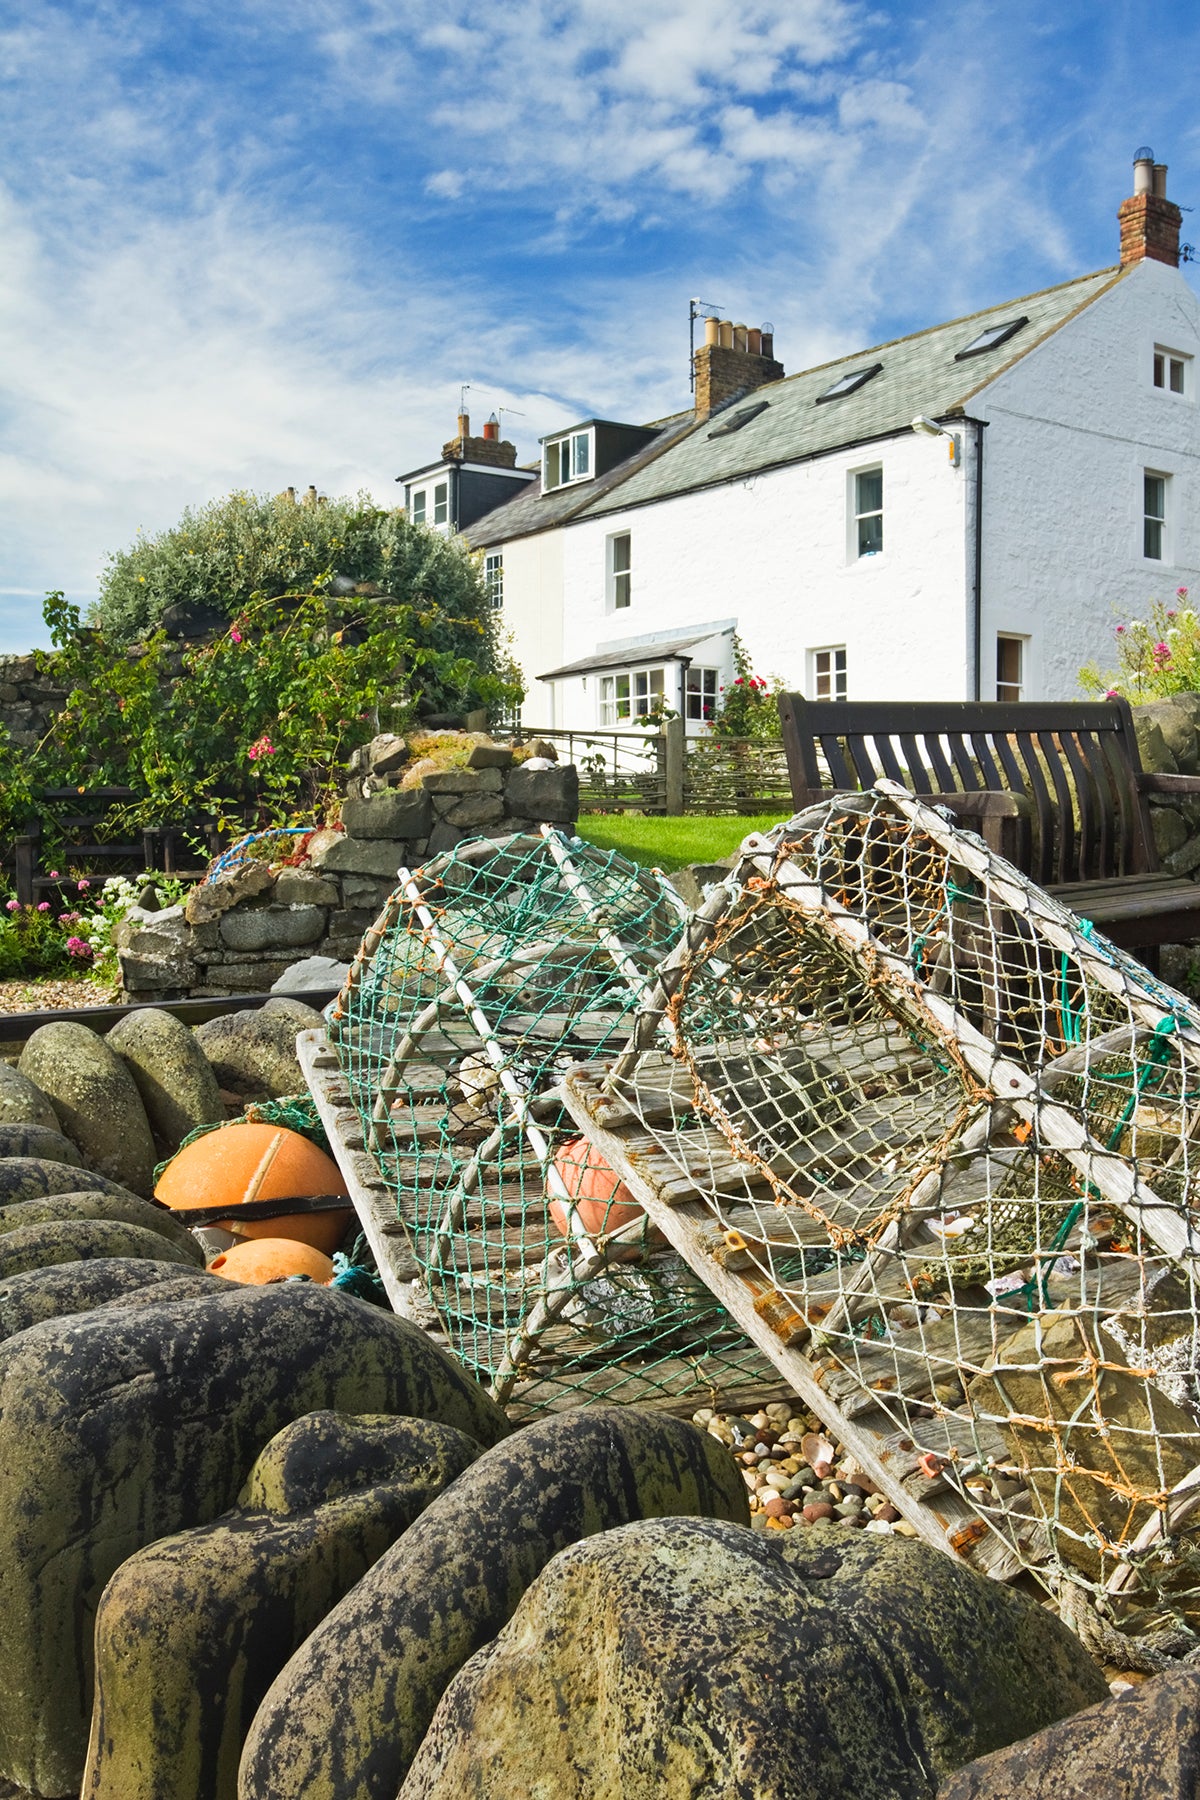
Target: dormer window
x,y
991,338
849,384
567,459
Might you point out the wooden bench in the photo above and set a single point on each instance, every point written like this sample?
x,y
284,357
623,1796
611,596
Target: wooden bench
x,y
1056,787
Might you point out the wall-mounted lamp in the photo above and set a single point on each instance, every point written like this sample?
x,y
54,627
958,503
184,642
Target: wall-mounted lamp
x,y
924,426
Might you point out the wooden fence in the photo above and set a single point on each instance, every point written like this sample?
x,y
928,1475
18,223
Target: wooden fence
x,y
665,771
69,831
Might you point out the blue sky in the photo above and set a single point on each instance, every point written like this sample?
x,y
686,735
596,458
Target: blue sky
x,y
252,244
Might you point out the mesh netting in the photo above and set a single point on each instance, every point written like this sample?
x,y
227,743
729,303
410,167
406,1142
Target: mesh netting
x,y
936,1144
492,970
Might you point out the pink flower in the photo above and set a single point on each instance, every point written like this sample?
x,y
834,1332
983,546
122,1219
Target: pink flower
x,y
1172,615
12,906
235,634
54,875
43,906
1181,593
1112,693
77,946
261,747
738,682
1120,631
68,918
83,886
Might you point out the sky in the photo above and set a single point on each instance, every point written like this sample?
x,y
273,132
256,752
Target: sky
x,y
247,245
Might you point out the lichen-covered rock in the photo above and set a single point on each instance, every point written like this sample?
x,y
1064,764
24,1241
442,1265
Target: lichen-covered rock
x,y
680,1658
172,1073
346,1715
125,1208
59,1289
128,1424
97,1102
1140,1745
34,1177
191,1631
43,1141
254,1053
80,1239
208,901
22,1102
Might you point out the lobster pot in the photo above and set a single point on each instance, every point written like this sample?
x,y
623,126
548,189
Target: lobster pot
x,y
935,1143
493,969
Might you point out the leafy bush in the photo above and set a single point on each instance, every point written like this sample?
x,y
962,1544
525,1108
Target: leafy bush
x,y
1156,657
221,554
73,936
747,707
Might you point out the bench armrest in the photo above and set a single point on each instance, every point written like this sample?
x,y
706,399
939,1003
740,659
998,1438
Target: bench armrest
x,y
1182,785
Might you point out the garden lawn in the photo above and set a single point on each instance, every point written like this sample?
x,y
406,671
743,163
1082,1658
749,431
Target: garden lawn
x,y
672,843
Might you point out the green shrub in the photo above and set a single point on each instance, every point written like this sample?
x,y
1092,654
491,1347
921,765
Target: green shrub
x,y
1156,657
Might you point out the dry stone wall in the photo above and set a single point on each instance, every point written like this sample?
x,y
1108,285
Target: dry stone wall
x,y
28,701
239,933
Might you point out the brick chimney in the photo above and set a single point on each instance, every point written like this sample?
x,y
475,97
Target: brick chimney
x,y
732,360
491,448
1149,221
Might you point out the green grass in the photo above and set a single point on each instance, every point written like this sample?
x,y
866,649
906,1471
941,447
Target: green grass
x,y
671,843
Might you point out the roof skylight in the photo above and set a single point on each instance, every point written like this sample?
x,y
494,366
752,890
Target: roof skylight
x,y
736,420
849,384
993,336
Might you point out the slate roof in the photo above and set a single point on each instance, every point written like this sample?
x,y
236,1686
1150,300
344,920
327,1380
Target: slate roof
x,y
919,375
659,647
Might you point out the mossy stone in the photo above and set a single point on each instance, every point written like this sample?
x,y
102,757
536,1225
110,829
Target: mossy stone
x,y
171,1072
254,1053
678,1657
346,1715
39,1140
96,1099
191,1630
36,1177
59,1289
125,1208
77,1240
130,1423
22,1102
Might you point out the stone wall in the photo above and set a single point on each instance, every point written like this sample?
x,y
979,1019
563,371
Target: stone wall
x,y
28,700
238,933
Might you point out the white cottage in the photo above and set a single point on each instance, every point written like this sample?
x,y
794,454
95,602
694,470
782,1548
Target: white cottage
x,y
963,513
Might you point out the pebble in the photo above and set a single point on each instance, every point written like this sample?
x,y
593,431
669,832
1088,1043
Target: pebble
x,y
823,1491
902,1528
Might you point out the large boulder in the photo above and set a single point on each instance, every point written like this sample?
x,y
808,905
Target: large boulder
x,y
254,1053
34,1177
58,1289
97,1102
191,1630
38,1140
22,1102
346,1715
172,1074
126,1209
128,1424
679,1658
1143,1744
69,1240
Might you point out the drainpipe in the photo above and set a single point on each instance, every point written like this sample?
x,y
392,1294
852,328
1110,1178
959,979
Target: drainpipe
x,y
977,585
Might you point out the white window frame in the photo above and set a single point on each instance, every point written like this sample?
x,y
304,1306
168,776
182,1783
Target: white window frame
x,y
630,694
827,669
1155,525
493,578
417,506
701,692
579,447
619,575
441,503
1010,696
1171,372
858,514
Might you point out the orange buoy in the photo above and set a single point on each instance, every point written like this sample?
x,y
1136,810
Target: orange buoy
x,y
260,1260
248,1166
602,1201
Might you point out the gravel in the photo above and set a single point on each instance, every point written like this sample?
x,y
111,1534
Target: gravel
x,y
797,1475
54,996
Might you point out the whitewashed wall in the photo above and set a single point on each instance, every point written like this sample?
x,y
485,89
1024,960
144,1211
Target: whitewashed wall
x,y
532,617
1073,426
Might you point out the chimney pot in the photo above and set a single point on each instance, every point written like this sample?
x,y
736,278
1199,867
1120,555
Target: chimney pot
x,y
739,337
726,335
1143,171
768,342
1160,180
754,341
1149,222
464,425
491,430
712,331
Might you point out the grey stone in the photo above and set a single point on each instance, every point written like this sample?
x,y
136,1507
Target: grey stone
x,y
96,1100
58,1289
365,856
178,1088
43,1141
1152,744
733,1663
22,1102
445,837
348,1712
542,748
1140,1745
352,921
1170,832
390,813
297,1013
254,1053
156,974
475,811
320,842
487,754
312,974
253,975
272,928
214,897
296,887
386,754
1185,860
123,1426
362,894
1178,729
153,933
463,781
551,794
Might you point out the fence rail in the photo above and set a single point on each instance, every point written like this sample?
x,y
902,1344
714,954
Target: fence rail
x,y
665,771
69,829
